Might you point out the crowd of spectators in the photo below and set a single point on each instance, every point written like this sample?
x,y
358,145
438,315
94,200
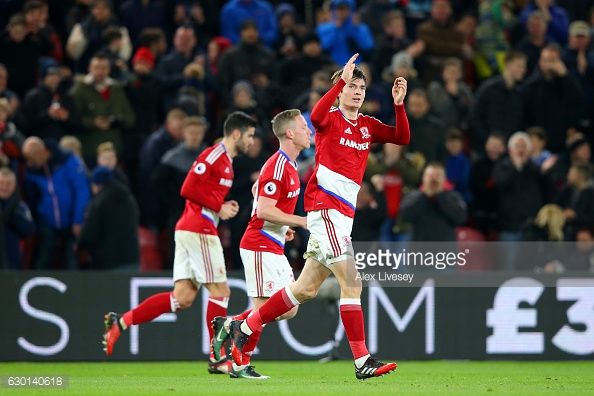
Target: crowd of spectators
x,y
104,104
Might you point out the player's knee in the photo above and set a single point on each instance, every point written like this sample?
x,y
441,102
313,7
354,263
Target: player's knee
x,y
306,293
185,301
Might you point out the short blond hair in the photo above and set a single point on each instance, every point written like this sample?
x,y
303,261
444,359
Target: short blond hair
x,y
176,114
195,121
105,146
282,121
71,143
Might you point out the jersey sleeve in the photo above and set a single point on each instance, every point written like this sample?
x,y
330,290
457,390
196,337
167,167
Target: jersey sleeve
x,y
268,185
400,134
319,113
193,187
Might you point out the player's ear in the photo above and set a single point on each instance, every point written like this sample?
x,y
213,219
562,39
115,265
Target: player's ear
x,y
236,134
289,134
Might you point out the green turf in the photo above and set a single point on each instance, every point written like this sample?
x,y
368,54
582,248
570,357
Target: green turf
x,y
335,378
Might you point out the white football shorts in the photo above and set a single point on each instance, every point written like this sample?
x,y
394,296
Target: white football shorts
x,y
330,239
198,257
265,272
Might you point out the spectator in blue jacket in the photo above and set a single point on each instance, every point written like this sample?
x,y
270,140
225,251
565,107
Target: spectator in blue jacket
x,y
235,12
556,16
57,191
15,222
345,34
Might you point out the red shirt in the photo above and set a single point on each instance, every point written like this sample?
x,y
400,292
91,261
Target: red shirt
x,y
278,180
342,146
205,189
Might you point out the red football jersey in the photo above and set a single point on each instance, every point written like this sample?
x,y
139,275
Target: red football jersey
x,y
342,146
205,189
278,180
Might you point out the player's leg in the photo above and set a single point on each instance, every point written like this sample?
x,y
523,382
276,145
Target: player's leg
x,y
266,273
303,289
184,292
181,297
212,269
351,313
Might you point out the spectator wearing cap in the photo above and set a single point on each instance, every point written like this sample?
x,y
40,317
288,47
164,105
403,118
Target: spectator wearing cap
x,y
216,47
110,229
86,38
235,12
170,68
550,97
295,73
16,222
49,108
57,191
556,17
171,172
154,40
244,99
137,15
252,61
290,31
578,56
104,108
345,34
19,52
401,65
144,91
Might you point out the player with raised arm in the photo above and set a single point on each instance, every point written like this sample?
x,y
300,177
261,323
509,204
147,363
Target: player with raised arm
x,y
266,267
198,251
343,139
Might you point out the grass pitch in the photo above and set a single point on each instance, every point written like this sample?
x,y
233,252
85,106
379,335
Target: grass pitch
x,y
313,378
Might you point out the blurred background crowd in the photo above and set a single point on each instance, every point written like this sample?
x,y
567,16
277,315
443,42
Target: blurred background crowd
x,y
104,105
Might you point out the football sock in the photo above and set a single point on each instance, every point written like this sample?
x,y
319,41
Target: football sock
x,y
354,326
243,315
248,349
281,302
149,309
217,306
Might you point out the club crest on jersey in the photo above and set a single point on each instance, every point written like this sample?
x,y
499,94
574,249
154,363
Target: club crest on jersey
x,y
200,168
270,188
348,131
227,170
269,286
346,240
365,133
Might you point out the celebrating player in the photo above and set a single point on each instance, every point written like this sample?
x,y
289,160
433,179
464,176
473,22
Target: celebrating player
x,y
343,139
267,270
198,250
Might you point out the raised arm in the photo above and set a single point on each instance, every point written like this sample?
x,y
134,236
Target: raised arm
x,y
320,110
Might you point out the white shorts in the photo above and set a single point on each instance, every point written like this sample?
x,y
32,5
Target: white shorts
x,y
265,272
330,239
198,257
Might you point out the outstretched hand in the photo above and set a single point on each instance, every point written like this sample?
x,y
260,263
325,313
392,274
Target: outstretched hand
x,y
399,90
347,71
